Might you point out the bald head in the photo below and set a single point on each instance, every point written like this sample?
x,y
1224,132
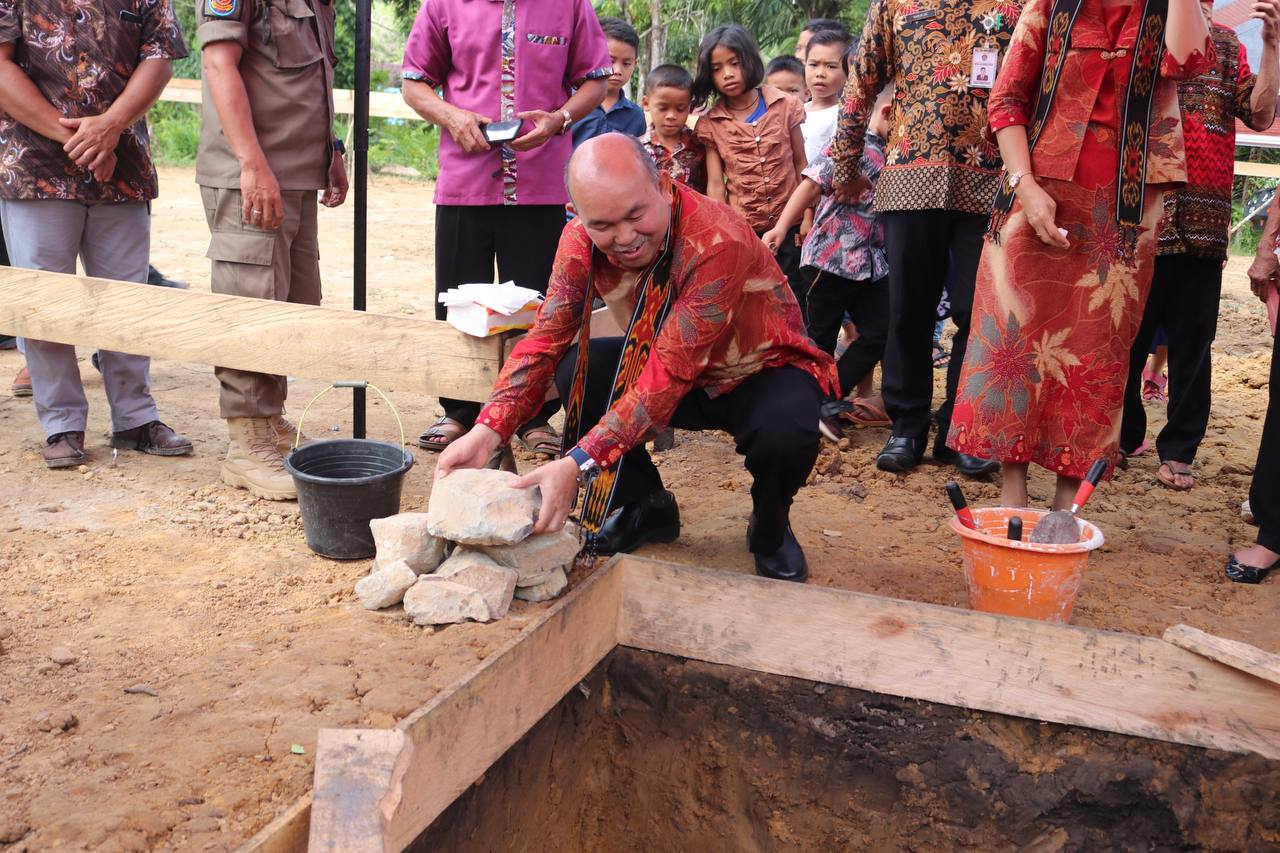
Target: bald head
x,y
611,159
620,198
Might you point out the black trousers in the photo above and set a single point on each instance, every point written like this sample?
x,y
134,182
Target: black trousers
x,y
1184,300
522,239
921,245
867,303
1264,495
788,258
773,416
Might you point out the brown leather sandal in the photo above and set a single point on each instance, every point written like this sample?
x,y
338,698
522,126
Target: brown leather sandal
x,y
441,434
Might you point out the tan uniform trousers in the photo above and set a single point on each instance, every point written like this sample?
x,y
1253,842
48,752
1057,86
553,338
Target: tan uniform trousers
x,y
283,265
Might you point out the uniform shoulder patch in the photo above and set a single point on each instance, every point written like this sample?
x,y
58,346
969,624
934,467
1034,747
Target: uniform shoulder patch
x,y
222,8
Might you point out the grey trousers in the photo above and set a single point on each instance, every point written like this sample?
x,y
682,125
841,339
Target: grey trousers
x,y
114,241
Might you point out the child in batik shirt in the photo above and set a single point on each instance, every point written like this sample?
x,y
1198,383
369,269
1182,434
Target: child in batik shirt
x,y
845,253
668,96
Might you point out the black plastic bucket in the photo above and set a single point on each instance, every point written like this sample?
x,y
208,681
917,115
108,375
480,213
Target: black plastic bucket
x,y
343,484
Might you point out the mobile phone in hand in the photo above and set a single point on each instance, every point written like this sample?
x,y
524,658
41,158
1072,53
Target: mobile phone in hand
x,y
502,131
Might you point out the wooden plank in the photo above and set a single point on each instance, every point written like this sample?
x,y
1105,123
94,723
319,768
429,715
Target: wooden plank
x,y
381,104
357,777
286,834
1233,653
1257,170
458,736
395,353
1102,680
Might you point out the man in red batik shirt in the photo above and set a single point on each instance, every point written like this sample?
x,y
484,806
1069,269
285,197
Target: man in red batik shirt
x,y
731,354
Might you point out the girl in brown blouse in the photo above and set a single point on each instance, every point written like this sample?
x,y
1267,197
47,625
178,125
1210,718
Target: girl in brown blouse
x,y
755,151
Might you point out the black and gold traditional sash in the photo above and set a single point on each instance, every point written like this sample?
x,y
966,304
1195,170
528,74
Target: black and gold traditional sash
x,y
1135,126
653,301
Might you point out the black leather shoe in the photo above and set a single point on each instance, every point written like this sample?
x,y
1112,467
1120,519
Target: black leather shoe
x,y
785,564
900,454
970,466
655,518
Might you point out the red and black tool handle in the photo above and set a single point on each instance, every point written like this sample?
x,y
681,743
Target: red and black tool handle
x,y
961,505
1088,484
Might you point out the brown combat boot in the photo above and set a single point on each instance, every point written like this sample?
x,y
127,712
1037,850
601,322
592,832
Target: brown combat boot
x,y
286,432
254,462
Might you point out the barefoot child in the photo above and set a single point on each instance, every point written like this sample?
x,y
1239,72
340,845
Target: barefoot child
x,y
845,249
755,150
668,95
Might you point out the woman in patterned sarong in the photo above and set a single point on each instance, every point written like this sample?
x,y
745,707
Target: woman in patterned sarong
x,y
1065,272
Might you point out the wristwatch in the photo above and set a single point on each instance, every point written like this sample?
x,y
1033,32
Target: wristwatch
x,y
339,146
1016,178
568,122
587,467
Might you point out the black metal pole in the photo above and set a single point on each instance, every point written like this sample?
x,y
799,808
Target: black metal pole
x,y
360,141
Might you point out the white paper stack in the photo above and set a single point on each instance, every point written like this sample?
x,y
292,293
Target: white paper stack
x,y
488,309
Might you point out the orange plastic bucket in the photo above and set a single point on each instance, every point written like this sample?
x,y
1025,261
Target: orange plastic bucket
x,y
1022,578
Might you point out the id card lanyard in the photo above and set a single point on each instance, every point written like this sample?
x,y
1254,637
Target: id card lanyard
x,y
986,53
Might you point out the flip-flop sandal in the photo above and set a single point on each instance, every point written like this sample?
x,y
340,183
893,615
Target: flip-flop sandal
x,y
541,441
1176,469
1154,387
1240,573
941,358
441,434
867,412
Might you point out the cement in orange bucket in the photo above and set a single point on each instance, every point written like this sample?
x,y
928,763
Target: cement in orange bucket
x,y
1022,578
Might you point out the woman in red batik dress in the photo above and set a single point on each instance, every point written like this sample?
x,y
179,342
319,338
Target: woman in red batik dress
x,y
1065,272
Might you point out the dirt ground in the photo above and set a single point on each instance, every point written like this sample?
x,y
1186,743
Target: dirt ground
x,y
152,575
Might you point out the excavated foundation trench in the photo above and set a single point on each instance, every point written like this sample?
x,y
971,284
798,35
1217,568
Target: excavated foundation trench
x,y
653,752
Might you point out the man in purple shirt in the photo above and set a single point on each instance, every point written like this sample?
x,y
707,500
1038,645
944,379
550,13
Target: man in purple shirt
x,y
543,62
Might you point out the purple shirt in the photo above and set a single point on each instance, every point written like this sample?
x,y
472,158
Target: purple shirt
x,y
498,58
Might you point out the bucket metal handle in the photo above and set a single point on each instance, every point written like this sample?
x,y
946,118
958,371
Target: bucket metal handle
x,y
297,439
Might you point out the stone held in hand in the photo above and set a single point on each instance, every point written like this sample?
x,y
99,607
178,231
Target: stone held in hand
x,y
477,506
385,587
406,537
436,601
536,557
496,584
546,590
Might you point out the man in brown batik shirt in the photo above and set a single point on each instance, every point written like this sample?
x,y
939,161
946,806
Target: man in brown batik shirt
x,y
76,80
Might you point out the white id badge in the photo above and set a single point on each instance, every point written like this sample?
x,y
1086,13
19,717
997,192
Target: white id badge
x,y
986,60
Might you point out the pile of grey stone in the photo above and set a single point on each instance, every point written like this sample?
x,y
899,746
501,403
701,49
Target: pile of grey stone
x,y
469,554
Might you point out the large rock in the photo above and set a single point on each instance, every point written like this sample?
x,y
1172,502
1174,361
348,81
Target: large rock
x,y
536,557
435,601
546,590
477,506
385,587
495,583
405,537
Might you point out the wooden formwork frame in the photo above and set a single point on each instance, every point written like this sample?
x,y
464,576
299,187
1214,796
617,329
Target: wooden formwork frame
x,y
377,790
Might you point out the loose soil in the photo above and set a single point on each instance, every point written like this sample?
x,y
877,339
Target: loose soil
x,y
152,574
652,752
